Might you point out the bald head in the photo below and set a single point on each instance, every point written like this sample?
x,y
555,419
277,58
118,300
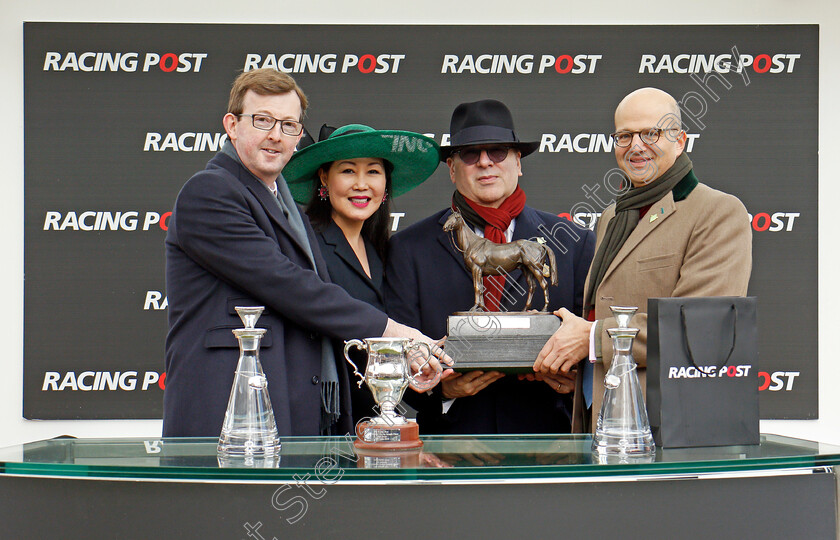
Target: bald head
x,y
655,113
650,98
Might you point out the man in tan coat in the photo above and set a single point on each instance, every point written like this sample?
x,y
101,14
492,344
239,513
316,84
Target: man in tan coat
x,y
667,236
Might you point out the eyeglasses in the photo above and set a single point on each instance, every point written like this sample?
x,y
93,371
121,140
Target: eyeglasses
x,y
624,139
470,156
266,123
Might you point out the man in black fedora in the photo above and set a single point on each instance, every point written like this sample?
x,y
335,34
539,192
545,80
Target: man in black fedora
x,y
426,279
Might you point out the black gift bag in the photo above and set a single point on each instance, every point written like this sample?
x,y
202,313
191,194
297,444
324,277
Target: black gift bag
x,y
702,371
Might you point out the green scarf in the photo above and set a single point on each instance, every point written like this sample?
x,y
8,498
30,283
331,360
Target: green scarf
x,y
627,216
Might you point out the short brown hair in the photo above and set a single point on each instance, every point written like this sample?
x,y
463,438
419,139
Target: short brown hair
x,y
265,82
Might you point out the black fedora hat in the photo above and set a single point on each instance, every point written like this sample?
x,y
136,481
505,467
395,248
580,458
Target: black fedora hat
x,y
483,122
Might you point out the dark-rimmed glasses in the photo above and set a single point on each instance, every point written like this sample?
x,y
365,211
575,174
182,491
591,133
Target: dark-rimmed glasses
x,y
470,156
266,123
623,139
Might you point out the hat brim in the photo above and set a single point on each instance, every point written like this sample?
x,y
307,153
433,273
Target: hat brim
x,y
414,158
525,148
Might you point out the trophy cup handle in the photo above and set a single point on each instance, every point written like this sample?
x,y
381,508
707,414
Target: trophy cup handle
x,y
412,378
359,345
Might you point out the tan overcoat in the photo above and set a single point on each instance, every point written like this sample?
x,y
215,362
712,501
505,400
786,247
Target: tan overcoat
x,y
699,246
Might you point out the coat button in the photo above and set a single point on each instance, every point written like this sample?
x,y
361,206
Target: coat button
x,y
316,379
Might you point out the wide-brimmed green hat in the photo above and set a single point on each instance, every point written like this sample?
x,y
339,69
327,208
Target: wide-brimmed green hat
x,y
414,157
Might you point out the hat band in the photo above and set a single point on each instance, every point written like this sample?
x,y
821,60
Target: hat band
x,y
480,134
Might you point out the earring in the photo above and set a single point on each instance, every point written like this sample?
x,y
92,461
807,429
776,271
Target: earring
x,y
323,193
385,196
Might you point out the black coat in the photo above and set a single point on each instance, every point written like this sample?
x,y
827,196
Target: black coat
x,y
426,281
229,245
346,270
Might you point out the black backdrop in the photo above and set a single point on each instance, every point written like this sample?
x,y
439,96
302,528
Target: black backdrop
x,y
118,116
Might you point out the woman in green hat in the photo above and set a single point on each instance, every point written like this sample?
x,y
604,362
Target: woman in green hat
x,y
347,180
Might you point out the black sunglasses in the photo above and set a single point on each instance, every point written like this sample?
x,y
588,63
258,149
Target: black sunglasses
x,y
470,156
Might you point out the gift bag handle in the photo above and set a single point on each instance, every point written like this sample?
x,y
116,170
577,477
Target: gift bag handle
x,y
688,346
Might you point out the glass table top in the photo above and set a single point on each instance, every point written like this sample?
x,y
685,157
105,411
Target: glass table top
x,y
442,458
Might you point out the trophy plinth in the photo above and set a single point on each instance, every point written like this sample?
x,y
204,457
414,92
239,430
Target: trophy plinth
x,y
506,342
374,435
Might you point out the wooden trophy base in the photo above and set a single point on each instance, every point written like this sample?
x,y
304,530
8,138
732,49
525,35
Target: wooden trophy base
x,y
372,436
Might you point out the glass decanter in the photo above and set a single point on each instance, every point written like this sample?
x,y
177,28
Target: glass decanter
x,y
623,428
249,428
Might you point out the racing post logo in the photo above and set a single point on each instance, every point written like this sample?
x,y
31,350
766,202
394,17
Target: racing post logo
x,y
520,63
365,63
124,61
101,381
720,63
98,220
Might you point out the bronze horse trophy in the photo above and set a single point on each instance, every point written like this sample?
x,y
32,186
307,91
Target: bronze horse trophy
x,y
485,257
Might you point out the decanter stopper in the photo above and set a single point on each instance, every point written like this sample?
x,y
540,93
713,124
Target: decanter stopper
x,y
249,315
623,314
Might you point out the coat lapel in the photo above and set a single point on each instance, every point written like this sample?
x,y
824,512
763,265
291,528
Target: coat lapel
x,y
320,263
658,213
264,196
526,228
334,237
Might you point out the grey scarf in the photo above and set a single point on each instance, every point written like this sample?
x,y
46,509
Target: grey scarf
x,y
627,217
330,400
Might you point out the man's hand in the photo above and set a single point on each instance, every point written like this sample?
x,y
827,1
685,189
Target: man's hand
x,y
431,461
428,372
468,384
562,383
568,346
